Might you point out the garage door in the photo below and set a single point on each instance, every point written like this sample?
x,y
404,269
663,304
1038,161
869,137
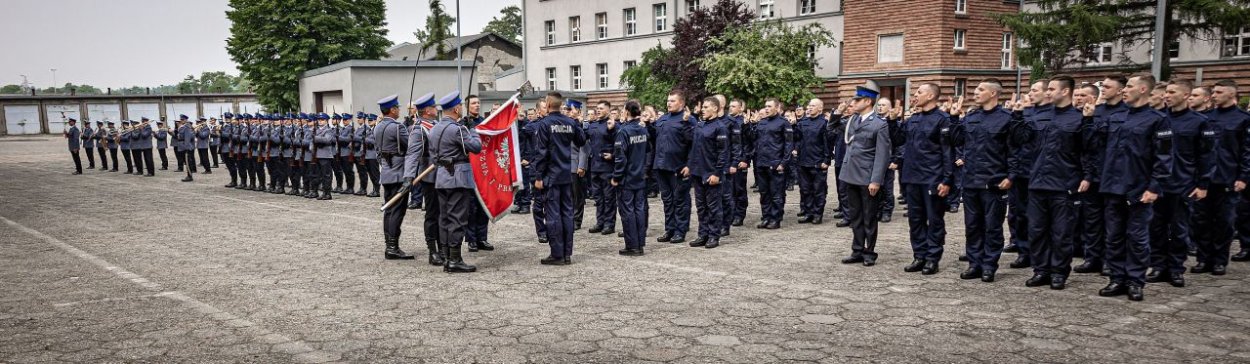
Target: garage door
x,y
137,112
216,109
105,112
173,110
21,119
56,122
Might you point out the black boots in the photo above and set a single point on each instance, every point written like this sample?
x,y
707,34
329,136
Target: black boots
x,y
436,252
393,251
455,263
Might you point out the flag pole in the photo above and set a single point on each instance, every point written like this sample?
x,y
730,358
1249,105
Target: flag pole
x,y
459,51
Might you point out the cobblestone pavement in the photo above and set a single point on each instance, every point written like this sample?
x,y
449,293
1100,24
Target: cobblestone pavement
x,y
110,267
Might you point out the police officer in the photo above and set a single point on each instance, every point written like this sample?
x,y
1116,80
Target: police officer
x,y
312,171
358,154
326,142
600,138
392,141
229,124
984,135
242,150
538,198
864,166
742,151
335,125
124,141
581,163
477,232
525,196
296,142
449,146
101,141
347,161
202,137
1093,207
186,139
260,150
371,155
426,109
136,154
1058,174
112,137
708,165
214,140
162,142
926,164
143,147
673,137
1136,160
277,146
629,177
815,154
1193,166
553,166
88,142
1233,164
1034,108
74,136
774,147
417,197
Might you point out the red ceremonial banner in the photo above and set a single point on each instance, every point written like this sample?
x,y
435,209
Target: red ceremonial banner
x,y
497,169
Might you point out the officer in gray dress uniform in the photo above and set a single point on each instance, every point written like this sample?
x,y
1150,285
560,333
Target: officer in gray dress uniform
x,y
74,136
418,159
371,155
101,144
186,138
325,142
392,141
201,144
143,147
865,163
88,142
450,145
162,142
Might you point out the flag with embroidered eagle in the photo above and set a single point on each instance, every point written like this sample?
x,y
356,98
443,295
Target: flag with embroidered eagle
x,y
497,169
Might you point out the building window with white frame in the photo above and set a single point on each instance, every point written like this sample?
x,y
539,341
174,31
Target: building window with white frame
x,y
691,6
960,85
575,29
550,26
601,26
960,35
661,17
961,7
631,21
811,55
807,7
575,76
551,79
1102,54
767,9
1006,61
1236,43
602,71
889,48
630,64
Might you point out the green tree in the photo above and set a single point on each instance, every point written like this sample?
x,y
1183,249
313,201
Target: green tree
x,y
1064,34
275,41
646,85
437,31
766,59
12,89
509,26
692,37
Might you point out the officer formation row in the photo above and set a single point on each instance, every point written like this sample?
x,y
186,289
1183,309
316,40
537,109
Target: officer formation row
x,y
135,140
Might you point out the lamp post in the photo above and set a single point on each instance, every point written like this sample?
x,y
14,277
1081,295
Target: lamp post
x,y
54,81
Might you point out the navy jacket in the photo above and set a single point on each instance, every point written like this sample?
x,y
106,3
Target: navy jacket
x,y
774,141
1027,147
1138,153
599,141
553,156
815,142
1102,114
630,155
1232,152
709,152
672,141
1193,152
1060,151
985,138
926,156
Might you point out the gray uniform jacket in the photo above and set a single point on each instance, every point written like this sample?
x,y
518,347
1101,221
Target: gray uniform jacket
x,y
74,135
867,150
418,158
325,141
162,139
391,137
144,138
449,146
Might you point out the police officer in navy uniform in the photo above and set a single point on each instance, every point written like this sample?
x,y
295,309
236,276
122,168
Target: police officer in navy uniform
x,y
815,155
1193,166
1137,158
477,233
600,139
774,147
865,164
100,138
450,143
984,135
419,155
391,138
1060,172
1232,168
629,177
1093,206
1035,109
708,165
553,165
926,164
741,151
537,198
74,136
673,137
525,196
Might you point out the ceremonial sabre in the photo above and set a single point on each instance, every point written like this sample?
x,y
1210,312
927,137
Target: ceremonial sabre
x,y
404,193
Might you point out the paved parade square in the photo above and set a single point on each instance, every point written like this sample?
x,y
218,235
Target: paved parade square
x,y
108,267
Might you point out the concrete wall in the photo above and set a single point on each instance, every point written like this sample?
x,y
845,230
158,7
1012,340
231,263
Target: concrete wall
x,y
42,114
362,87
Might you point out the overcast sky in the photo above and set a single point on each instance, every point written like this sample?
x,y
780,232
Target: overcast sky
x,y
122,43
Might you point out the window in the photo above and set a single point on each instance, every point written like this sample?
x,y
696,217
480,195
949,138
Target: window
x,y
575,74
1236,43
602,70
811,54
630,64
631,21
890,48
961,6
960,85
766,9
661,17
1006,58
959,38
551,79
550,25
601,26
691,6
1102,53
575,29
807,7
1174,49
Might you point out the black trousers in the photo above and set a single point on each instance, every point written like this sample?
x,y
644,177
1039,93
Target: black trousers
x,y
538,208
1128,239
862,211
77,160
189,156
740,192
605,205
349,174
214,150
182,159
813,190
431,211
1169,243
338,172
126,154
90,157
104,157
204,159
137,155
392,217
164,159
293,172
113,154
926,219
147,160
675,196
478,229
772,186
231,167
559,207
708,199
1093,233
326,167
1018,214
579,189
453,217
1052,222
1213,224
984,211
633,217
362,174
312,171
374,172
